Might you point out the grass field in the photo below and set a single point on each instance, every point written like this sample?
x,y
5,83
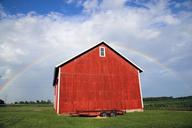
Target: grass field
x,y
43,116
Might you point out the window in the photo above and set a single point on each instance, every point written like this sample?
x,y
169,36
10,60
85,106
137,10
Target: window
x,y
102,51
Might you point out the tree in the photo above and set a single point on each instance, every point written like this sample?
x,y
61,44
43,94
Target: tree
x,y
21,102
48,101
26,102
37,101
2,102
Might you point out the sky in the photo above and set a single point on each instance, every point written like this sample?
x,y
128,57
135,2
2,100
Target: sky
x,y
36,35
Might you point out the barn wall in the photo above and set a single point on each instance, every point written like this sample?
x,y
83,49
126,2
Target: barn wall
x,y
92,82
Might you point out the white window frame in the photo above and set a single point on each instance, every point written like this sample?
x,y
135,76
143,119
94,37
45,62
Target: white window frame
x,y
100,51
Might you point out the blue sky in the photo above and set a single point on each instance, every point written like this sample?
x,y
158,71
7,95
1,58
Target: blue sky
x,y
41,7
72,7
36,35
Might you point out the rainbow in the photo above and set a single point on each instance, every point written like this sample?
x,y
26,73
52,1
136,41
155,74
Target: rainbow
x,y
153,60
146,56
44,57
21,72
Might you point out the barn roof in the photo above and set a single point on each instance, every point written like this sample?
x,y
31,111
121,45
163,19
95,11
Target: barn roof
x,y
68,61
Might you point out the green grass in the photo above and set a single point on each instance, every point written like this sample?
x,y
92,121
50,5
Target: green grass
x,y
43,116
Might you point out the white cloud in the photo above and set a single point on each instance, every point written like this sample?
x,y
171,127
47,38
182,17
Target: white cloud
x,y
112,4
10,54
185,4
95,5
69,1
90,5
7,74
167,19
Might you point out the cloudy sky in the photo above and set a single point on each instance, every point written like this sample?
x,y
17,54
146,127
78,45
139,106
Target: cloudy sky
x,y
36,35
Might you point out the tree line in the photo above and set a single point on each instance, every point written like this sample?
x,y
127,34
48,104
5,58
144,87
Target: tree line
x,y
34,102
165,98
145,99
28,102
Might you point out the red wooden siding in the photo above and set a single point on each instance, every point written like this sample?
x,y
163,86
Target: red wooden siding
x,y
91,82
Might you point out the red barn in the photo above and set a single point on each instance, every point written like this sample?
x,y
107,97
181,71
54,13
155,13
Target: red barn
x,y
99,79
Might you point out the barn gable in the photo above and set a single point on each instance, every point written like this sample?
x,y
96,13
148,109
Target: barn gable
x,y
85,52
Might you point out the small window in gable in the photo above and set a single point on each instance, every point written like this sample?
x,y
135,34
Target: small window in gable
x,y
102,51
